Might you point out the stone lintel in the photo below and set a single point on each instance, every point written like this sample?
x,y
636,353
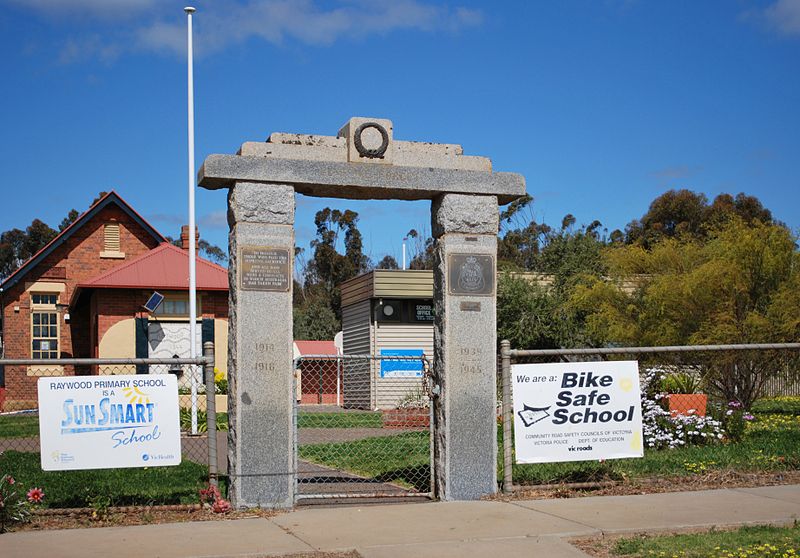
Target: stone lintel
x,y
358,181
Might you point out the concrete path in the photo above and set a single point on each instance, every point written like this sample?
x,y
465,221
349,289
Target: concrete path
x,y
441,529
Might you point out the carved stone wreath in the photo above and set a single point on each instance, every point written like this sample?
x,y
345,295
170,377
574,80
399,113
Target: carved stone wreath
x,y
376,153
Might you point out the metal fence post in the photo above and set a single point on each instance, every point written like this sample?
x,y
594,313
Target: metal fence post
x,y
508,415
211,411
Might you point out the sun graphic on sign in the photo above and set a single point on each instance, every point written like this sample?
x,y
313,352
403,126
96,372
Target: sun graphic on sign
x,y
135,395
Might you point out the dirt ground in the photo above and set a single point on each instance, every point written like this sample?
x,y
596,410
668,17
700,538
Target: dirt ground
x,y
654,485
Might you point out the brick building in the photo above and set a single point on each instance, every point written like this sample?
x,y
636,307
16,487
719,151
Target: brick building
x,y
82,296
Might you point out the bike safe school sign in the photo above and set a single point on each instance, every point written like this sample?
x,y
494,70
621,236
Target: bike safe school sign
x,y
576,411
108,422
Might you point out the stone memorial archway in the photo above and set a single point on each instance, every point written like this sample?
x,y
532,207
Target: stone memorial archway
x,y
362,162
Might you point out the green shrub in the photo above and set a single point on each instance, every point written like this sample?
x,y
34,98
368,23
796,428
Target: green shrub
x,y
682,382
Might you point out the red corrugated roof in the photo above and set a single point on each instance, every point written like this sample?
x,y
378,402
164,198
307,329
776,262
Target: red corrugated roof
x,y
165,267
316,347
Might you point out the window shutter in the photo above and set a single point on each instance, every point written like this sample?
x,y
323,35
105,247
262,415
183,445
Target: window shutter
x,y
111,239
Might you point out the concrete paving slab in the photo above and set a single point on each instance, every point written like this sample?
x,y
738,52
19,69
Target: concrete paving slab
x,y
551,547
423,523
669,511
789,493
168,540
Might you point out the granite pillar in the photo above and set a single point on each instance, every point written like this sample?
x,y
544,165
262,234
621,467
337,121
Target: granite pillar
x,y
261,457
465,285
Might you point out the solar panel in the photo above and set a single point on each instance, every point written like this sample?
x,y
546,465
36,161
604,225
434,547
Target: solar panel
x,y
154,302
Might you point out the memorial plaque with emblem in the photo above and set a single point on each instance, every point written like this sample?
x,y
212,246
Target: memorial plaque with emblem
x,y
263,268
470,274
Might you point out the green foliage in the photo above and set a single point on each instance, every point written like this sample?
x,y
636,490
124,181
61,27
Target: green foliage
x,y
388,262
315,319
681,382
221,386
739,285
525,314
202,420
688,215
14,508
326,271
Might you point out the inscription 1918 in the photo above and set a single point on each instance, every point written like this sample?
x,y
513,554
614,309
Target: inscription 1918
x,y
262,268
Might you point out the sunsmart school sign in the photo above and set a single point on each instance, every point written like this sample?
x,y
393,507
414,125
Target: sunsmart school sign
x,y
107,422
576,411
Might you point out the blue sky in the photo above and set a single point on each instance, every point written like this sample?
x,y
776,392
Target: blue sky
x,y
601,105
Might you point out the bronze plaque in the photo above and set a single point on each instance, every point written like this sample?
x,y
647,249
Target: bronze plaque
x,y
262,268
470,306
470,274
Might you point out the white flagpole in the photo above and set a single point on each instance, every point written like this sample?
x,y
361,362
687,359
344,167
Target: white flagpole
x,y
192,228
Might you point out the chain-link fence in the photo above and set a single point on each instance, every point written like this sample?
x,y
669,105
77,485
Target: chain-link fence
x,y
363,427
684,381
200,425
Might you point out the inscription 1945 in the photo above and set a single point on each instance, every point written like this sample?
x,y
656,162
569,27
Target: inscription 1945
x,y
262,268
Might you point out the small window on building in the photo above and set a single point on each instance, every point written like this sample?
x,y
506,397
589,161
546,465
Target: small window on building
x,y
111,242
176,306
44,326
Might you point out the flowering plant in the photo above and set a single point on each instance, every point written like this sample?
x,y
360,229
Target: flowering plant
x,y
210,497
664,431
13,506
735,418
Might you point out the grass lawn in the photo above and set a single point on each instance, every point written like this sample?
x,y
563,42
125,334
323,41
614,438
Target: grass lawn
x,y
24,426
772,443
19,426
107,487
752,542
403,458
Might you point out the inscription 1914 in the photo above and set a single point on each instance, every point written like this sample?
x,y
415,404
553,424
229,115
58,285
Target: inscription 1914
x,y
262,268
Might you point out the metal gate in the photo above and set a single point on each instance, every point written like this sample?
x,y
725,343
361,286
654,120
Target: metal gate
x,y
363,427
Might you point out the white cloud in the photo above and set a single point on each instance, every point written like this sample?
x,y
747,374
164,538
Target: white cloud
x,y
107,28
275,21
784,16
92,46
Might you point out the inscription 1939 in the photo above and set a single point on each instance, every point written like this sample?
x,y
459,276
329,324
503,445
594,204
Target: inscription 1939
x,y
262,268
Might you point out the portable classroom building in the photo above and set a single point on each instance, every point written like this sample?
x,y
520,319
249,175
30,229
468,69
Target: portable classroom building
x,y
386,312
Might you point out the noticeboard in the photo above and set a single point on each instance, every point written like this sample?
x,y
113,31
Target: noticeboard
x,y
398,367
109,422
576,411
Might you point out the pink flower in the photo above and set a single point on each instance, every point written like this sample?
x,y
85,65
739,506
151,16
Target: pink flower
x,y
11,480
35,495
221,506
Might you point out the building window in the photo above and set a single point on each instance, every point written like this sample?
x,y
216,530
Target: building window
x,y
176,306
44,326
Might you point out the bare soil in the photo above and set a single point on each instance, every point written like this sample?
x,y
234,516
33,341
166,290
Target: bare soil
x,y
654,485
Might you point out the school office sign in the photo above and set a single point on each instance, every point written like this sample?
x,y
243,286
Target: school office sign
x,y
107,422
576,411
